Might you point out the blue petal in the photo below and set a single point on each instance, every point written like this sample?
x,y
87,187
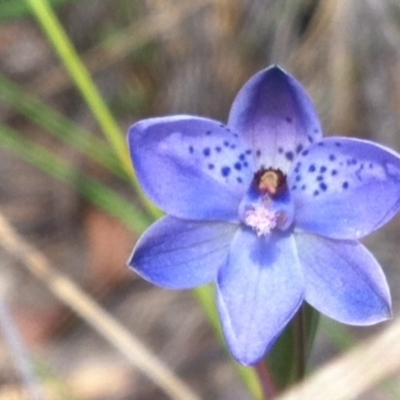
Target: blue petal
x,y
192,168
345,188
343,280
276,118
178,254
259,290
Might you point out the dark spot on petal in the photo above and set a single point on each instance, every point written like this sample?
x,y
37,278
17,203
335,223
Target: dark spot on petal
x,y
208,133
221,125
323,186
316,130
191,149
316,193
298,178
370,165
320,178
312,168
225,171
304,153
310,139
280,150
207,151
245,164
218,149
233,146
242,157
248,152
322,169
332,157
299,148
289,120
294,187
345,185
303,187
321,144
334,172
226,143
258,153
240,180
238,166
289,155
211,166
338,144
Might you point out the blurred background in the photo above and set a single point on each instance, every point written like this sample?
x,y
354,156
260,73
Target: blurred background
x,y
63,191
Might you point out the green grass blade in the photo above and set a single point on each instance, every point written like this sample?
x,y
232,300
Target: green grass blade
x,y
97,193
81,77
60,126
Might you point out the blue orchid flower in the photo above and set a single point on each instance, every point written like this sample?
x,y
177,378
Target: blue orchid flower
x,y
268,209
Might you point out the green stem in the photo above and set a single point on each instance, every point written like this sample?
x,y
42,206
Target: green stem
x,y
267,383
300,344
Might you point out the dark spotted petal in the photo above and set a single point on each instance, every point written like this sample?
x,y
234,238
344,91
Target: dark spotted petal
x,y
345,188
276,118
192,168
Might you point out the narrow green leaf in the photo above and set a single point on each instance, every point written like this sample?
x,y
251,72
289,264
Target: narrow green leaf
x,y
97,193
55,123
287,359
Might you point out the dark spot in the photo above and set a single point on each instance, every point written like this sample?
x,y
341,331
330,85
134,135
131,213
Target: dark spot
x,y
191,149
221,125
298,165
316,130
322,169
211,166
304,153
332,157
334,172
245,164
303,187
310,139
316,193
218,149
207,151
249,152
235,135
320,178
337,144
289,120
242,157
294,187
312,168
323,186
208,133
289,155
370,165
238,166
298,178
299,148
225,171
226,143
233,146
280,150
239,180
353,161
258,153
345,185
321,144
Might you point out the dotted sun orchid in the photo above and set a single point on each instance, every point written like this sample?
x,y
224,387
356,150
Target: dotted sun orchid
x,y
268,209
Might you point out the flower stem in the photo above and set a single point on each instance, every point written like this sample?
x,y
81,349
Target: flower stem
x,y
267,383
300,344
